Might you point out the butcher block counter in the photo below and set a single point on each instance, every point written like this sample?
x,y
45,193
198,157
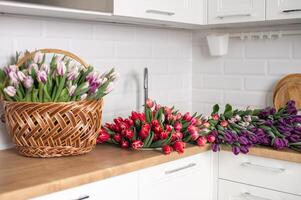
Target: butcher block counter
x,y
30,177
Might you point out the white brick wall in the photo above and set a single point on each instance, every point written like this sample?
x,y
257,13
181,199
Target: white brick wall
x,y
166,52
244,77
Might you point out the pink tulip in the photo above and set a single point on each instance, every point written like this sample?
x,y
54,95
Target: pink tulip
x,y
13,78
60,68
28,82
45,67
10,68
33,66
42,76
38,57
21,75
10,91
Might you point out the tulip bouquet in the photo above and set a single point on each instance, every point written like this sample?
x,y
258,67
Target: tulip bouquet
x,y
242,129
158,127
60,80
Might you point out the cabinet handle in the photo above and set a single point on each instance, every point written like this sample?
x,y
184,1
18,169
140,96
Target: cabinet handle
x,y
249,164
291,10
248,195
83,197
160,12
180,168
235,15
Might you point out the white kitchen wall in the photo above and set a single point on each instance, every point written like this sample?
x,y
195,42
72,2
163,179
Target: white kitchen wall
x,y
246,76
166,52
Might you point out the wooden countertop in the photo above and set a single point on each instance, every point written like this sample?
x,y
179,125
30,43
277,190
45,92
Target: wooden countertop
x,y
23,178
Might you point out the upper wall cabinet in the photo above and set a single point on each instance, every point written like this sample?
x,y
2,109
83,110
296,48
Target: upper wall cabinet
x,y
232,11
283,9
184,11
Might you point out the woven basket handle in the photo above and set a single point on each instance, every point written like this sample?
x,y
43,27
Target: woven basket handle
x,y
55,51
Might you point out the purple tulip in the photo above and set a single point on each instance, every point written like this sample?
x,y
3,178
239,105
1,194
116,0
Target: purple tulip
x,y
10,91
244,149
93,88
214,133
268,123
235,150
71,89
253,138
10,68
243,140
228,137
42,76
216,147
294,138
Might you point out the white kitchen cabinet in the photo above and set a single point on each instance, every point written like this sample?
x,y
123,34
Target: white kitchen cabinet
x,y
115,188
263,172
283,9
185,11
188,178
235,191
232,11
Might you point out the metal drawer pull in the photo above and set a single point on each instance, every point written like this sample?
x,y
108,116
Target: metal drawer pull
x,y
160,12
248,195
180,168
83,197
236,15
291,10
249,164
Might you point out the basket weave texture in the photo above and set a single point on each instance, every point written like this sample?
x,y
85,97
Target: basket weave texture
x,y
53,129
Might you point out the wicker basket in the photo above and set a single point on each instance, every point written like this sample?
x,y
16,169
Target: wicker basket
x,y
53,129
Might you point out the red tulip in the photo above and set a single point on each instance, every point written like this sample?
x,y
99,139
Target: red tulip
x,y
194,135
149,103
137,144
142,117
215,117
157,107
168,128
178,116
178,126
187,117
157,129
163,135
167,149
124,144
193,121
224,123
128,134
103,136
211,138
170,117
179,135
179,146
201,141
118,120
123,126
134,116
144,131
155,122
117,137
167,110
129,122
198,122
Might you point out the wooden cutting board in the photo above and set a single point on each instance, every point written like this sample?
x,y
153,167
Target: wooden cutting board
x,y
288,88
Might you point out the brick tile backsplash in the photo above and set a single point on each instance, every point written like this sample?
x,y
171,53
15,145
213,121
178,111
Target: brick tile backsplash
x,y
244,77
182,73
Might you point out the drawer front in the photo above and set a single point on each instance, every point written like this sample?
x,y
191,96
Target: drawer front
x,y
269,173
235,191
283,9
181,167
126,185
233,11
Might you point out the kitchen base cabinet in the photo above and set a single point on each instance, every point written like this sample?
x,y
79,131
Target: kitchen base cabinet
x,y
115,188
235,191
188,178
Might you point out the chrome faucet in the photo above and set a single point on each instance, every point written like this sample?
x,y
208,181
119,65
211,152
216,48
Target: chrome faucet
x,y
145,85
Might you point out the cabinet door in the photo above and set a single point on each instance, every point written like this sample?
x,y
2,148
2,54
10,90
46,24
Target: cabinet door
x,y
184,11
232,11
188,178
235,191
116,188
283,9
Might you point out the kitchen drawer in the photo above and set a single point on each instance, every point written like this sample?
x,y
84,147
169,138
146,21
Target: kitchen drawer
x,y
269,173
235,191
126,185
181,167
188,178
